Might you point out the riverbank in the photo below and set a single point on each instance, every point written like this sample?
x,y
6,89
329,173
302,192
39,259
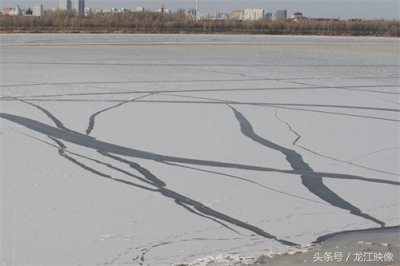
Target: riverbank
x,y
156,23
127,31
366,247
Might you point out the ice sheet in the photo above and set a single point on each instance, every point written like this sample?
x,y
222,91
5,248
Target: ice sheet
x,y
160,150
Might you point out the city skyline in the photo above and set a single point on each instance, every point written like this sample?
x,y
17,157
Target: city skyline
x,y
367,9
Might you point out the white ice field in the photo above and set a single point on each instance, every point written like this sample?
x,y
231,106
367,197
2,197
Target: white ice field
x,y
167,149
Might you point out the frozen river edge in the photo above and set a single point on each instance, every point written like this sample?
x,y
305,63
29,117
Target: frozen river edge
x,y
362,242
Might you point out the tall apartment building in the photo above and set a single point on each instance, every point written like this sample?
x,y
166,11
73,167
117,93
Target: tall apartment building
x,y
281,14
65,4
79,6
253,14
236,15
37,10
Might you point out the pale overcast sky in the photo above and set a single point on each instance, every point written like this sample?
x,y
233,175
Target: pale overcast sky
x,y
389,9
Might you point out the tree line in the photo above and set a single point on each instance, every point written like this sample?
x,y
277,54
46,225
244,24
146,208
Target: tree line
x,y
179,22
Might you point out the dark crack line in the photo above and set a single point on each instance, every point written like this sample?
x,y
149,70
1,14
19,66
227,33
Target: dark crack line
x,y
313,183
298,137
63,150
89,142
199,207
246,180
224,103
55,120
60,144
214,101
206,210
188,208
365,108
219,101
74,161
360,89
119,170
146,173
132,82
224,72
313,87
93,116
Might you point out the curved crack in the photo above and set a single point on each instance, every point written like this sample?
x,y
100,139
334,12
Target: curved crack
x,y
298,137
246,180
313,183
92,118
193,205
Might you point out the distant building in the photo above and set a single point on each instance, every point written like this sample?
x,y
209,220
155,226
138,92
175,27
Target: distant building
x,y
217,15
236,15
8,11
298,16
15,11
79,6
281,14
253,14
162,10
138,9
268,16
37,10
65,4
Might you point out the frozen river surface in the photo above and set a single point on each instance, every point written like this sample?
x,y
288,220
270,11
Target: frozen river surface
x,y
159,150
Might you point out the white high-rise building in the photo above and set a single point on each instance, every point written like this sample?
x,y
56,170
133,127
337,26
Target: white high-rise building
x,y
253,14
79,6
64,4
37,10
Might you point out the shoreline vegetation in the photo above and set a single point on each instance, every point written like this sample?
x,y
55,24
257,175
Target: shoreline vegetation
x,y
179,23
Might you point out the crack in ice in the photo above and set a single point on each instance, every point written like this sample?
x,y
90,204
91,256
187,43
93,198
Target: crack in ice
x,y
313,183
